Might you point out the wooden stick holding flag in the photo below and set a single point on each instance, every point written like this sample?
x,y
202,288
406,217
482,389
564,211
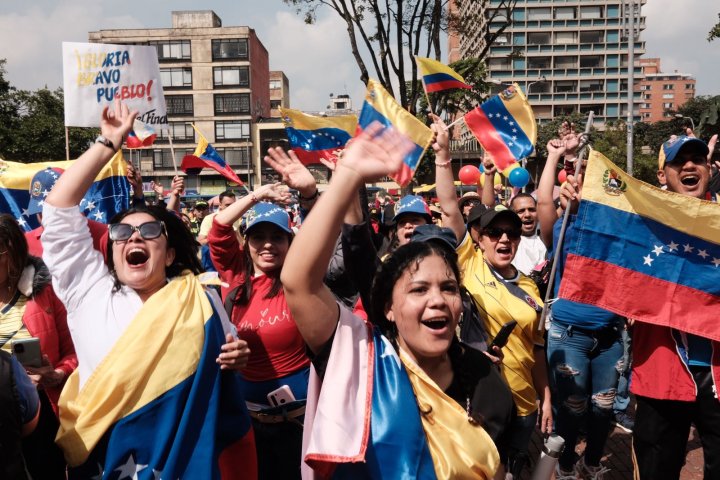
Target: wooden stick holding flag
x,y
437,76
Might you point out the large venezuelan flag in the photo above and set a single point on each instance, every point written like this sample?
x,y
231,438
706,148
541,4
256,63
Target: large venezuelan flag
x,y
158,406
380,106
205,156
108,195
645,253
313,138
437,76
505,126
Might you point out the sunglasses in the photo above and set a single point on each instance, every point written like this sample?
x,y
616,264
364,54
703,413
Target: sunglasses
x,y
496,233
120,232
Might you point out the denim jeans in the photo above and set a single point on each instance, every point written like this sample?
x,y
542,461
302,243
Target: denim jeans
x,y
584,368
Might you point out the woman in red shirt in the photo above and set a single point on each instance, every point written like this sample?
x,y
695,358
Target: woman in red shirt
x,y
278,368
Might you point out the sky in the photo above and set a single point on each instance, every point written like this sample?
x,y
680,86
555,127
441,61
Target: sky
x,y
316,58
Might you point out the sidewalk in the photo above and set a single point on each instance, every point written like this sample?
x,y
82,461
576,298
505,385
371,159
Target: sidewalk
x,y
619,456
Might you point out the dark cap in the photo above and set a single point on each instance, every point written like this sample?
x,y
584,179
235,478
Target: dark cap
x,y
433,233
670,149
486,215
200,205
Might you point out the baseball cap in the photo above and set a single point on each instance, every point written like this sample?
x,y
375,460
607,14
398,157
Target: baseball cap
x,y
412,204
201,204
670,149
264,212
431,232
40,185
486,215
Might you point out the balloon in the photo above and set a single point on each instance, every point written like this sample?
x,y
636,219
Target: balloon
x,y
469,175
481,167
562,176
497,180
519,177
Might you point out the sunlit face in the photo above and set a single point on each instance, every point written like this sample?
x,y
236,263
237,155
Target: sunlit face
x,y
499,242
689,174
425,308
406,224
140,264
268,246
526,209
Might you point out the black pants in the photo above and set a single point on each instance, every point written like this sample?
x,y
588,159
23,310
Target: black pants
x,y
279,448
662,428
43,457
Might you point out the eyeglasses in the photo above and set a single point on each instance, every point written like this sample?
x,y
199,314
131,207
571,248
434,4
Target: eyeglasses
x,y
120,232
496,233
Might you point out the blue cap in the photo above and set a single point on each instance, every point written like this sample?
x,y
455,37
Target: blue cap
x,y
433,233
412,204
40,186
672,147
265,212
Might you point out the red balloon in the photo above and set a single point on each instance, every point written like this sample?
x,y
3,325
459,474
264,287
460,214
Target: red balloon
x,y
562,176
469,175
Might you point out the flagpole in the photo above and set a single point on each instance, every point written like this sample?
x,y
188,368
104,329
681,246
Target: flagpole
x,y
172,152
584,139
447,127
427,97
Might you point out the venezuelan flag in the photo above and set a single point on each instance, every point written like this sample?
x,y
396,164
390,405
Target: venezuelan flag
x,y
205,156
313,138
437,76
505,127
158,406
645,253
108,195
380,106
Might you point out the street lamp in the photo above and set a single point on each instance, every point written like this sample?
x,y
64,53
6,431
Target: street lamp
x,y
692,122
542,79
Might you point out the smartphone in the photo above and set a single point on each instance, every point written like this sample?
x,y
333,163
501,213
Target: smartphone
x,y
27,352
502,336
281,396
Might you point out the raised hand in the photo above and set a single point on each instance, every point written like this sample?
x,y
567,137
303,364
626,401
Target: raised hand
x,y
376,153
116,123
488,164
294,173
556,147
273,192
441,140
177,187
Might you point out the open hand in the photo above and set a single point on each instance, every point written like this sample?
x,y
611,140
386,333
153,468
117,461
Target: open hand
x,y
116,123
376,152
294,173
273,192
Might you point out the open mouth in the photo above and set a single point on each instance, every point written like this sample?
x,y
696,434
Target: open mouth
x,y
504,250
435,323
136,257
690,180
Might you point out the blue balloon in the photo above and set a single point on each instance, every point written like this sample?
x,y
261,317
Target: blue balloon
x,y
481,167
519,177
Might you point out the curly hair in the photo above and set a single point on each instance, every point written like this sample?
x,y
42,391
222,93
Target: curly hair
x,y
12,240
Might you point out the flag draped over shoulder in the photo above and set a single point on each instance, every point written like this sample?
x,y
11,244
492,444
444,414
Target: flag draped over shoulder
x,y
505,127
108,195
380,106
437,76
205,156
313,138
645,253
158,405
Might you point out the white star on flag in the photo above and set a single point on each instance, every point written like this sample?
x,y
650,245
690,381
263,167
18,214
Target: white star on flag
x,y
703,254
45,192
658,250
716,262
648,260
514,130
21,221
672,246
505,117
25,213
130,469
98,215
90,205
688,248
511,123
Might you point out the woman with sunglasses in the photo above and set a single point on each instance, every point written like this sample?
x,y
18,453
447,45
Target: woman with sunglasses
x,y
488,246
152,342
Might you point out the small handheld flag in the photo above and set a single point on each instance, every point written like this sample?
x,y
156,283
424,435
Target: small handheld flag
x,y
437,76
505,127
313,138
205,156
380,106
142,135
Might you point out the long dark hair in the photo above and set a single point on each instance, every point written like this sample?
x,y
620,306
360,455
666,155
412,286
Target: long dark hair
x,y
12,239
246,290
179,238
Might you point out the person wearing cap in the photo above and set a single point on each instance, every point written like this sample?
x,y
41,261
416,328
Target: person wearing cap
x,y
485,254
467,202
675,374
410,212
199,211
277,372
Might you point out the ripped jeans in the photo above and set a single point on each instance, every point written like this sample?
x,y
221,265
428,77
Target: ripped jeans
x,y
584,367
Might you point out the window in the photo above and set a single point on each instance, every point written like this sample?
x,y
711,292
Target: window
x,y
232,130
539,14
230,49
592,85
565,86
598,109
231,77
232,103
564,13
566,62
176,77
668,86
179,104
590,12
538,38
275,84
564,110
275,104
499,63
667,105
668,95
689,86
645,105
644,87
163,158
647,96
180,131
564,38
538,62
592,36
169,50
590,61
646,115
235,157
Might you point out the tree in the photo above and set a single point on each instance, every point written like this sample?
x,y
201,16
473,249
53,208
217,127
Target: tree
x,y
395,31
714,32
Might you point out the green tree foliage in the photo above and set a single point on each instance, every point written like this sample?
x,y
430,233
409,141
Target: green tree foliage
x,y
714,32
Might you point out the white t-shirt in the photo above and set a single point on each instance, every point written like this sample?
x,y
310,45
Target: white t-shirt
x,y
530,252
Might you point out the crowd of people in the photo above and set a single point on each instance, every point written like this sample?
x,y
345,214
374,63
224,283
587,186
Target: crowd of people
x,y
362,337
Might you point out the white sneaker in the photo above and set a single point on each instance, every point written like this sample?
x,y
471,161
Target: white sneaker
x,y
561,474
590,473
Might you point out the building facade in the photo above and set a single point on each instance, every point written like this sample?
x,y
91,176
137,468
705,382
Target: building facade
x,y
661,91
213,76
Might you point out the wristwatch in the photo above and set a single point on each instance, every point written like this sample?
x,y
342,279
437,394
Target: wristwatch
x,y
104,141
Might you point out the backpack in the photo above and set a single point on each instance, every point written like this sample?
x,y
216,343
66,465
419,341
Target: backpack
x,y
470,328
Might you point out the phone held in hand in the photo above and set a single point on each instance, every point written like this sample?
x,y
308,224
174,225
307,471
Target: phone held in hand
x,y
27,352
501,338
281,396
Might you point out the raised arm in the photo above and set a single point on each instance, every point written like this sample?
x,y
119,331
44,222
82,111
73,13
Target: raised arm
x,y
271,192
547,214
372,155
444,181
177,187
488,189
75,182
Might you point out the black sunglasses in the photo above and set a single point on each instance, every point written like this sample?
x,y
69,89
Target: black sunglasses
x,y
120,232
496,233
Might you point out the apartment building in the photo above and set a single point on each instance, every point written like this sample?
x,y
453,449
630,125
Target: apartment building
x,y
661,91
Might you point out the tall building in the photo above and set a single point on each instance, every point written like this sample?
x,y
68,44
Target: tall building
x,y
279,93
662,91
217,77
569,56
